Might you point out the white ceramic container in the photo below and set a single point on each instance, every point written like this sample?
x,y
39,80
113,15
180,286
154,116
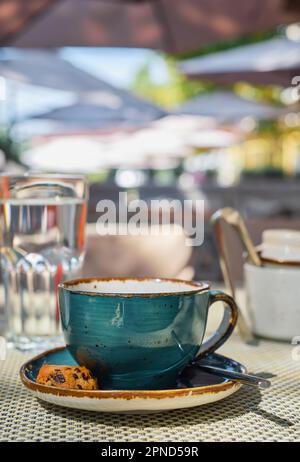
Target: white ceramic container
x,y
273,300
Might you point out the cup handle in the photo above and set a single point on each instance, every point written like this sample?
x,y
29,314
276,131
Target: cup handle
x,y
227,325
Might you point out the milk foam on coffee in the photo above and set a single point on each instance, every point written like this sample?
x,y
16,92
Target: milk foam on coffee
x,y
134,286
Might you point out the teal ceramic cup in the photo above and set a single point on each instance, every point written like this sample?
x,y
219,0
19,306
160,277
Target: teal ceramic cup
x,y
137,334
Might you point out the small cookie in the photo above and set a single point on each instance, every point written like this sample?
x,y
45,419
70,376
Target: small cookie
x,y
67,377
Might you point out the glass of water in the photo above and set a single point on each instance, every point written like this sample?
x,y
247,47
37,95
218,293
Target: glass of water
x,y
42,223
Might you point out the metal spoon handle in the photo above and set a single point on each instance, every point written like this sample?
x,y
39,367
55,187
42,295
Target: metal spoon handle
x,y
246,379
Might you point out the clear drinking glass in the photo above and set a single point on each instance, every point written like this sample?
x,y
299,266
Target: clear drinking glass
x,y
42,222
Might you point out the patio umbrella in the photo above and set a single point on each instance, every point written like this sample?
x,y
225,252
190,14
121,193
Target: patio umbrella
x,y
226,106
128,113
170,25
45,68
100,104
274,61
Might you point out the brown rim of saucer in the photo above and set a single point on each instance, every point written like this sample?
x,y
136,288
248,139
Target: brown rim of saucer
x,y
198,287
118,394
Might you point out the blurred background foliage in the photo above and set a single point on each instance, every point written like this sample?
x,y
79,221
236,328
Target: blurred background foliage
x,y
10,147
174,91
271,148
178,88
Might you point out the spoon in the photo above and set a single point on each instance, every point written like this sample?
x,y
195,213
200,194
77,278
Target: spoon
x,y
233,218
246,379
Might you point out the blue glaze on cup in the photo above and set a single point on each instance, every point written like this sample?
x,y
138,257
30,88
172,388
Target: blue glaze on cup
x,y
134,341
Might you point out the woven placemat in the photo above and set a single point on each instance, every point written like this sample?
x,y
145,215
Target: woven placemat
x,y
248,415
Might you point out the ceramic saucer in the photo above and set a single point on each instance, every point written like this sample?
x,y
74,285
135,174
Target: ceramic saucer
x,y
194,388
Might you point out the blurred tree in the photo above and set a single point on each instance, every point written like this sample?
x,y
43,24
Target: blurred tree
x,y
174,91
178,88
9,145
263,93
272,147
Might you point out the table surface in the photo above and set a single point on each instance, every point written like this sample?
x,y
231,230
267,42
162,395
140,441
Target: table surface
x,y
247,415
